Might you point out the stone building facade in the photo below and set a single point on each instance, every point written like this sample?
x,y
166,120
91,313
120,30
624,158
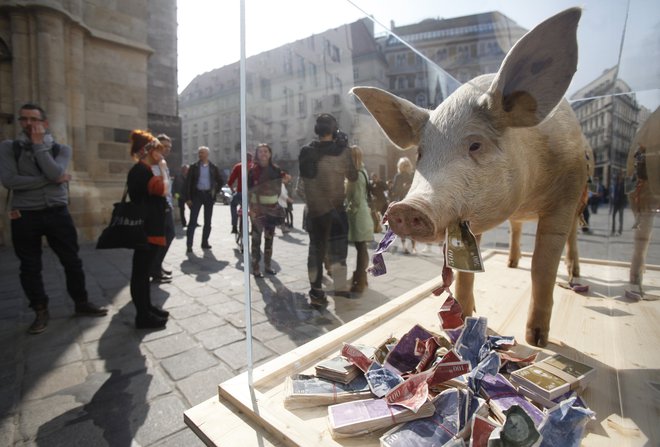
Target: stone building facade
x,y
100,69
289,85
609,118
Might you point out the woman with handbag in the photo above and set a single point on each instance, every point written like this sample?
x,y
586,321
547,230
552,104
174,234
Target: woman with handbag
x,y
147,190
360,223
265,186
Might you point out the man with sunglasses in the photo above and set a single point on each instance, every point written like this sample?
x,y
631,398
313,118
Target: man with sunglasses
x,y
33,167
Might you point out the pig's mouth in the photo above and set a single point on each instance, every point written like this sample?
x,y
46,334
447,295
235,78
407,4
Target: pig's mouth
x,y
411,218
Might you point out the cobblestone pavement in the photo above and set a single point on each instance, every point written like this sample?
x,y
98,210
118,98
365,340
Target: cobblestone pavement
x,y
99,381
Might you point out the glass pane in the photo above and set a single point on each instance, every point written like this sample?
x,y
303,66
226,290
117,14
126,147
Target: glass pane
x,y
482,158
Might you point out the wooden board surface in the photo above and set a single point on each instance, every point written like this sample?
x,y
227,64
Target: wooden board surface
x,y
617,336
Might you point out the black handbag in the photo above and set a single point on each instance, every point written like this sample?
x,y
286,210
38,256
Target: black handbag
x,y
126,227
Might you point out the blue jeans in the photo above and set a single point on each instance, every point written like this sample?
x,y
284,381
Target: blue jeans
x,y
199,199
58,228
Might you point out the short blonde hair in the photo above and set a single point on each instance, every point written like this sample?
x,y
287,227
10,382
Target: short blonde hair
x,y
203,148
404,165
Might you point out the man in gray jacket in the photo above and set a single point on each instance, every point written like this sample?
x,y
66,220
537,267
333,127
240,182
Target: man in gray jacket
x,y
33,167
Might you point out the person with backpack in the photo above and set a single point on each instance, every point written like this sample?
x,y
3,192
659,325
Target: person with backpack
x,y
34,168
323,165
360,224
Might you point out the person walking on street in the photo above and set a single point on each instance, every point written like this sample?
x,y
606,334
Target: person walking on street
x,y
400,186
379,192
360,223
159,274
202,186
324,165
619,201
179,190
34,168
265,185
149,191
236,198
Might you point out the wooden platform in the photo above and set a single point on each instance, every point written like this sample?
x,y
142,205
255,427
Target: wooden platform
x,y
618,336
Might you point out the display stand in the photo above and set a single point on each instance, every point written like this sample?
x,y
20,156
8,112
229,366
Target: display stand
x,y
602,328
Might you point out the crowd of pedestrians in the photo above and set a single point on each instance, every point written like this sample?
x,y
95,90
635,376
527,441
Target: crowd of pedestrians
x,y
344,205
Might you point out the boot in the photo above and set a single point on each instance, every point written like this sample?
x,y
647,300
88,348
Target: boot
x,y
268,254
256,271
40,321
359,282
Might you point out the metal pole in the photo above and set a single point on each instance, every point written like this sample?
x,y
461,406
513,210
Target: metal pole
x,y
244,206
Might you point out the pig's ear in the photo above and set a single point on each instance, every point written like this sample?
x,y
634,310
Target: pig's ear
x,y
401,120
536,72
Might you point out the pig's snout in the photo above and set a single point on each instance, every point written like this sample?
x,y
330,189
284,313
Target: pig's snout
x,y
405,220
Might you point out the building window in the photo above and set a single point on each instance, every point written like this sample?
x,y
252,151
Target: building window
x,y
265,89
302,105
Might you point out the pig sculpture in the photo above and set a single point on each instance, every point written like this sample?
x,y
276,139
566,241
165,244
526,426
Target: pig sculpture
x,y
504,146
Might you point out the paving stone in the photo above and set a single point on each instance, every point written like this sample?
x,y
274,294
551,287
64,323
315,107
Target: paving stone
x,y
220,336
283,344
204,384
174,344
43,361
229,306
237,319
182,312
40,384
170,329
164,417
112,347
216,298
185,437
8,430
94,330
200,322
60,331
37,413
187,363
235,354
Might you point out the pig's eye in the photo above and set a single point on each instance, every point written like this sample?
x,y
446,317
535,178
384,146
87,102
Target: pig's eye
x,y
475,146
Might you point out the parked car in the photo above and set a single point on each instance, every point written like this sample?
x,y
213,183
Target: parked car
x,y
225,195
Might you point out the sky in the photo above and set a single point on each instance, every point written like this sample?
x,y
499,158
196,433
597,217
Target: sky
x,y
209,30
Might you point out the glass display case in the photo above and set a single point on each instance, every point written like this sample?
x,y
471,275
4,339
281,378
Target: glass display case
x,y
405,81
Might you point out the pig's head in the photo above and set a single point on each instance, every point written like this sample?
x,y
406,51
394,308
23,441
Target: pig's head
x,y
467,169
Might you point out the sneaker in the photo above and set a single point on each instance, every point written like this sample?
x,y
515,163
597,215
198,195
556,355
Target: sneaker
x,y
40,321
270,272
206,247
234,230
88,309
188,250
